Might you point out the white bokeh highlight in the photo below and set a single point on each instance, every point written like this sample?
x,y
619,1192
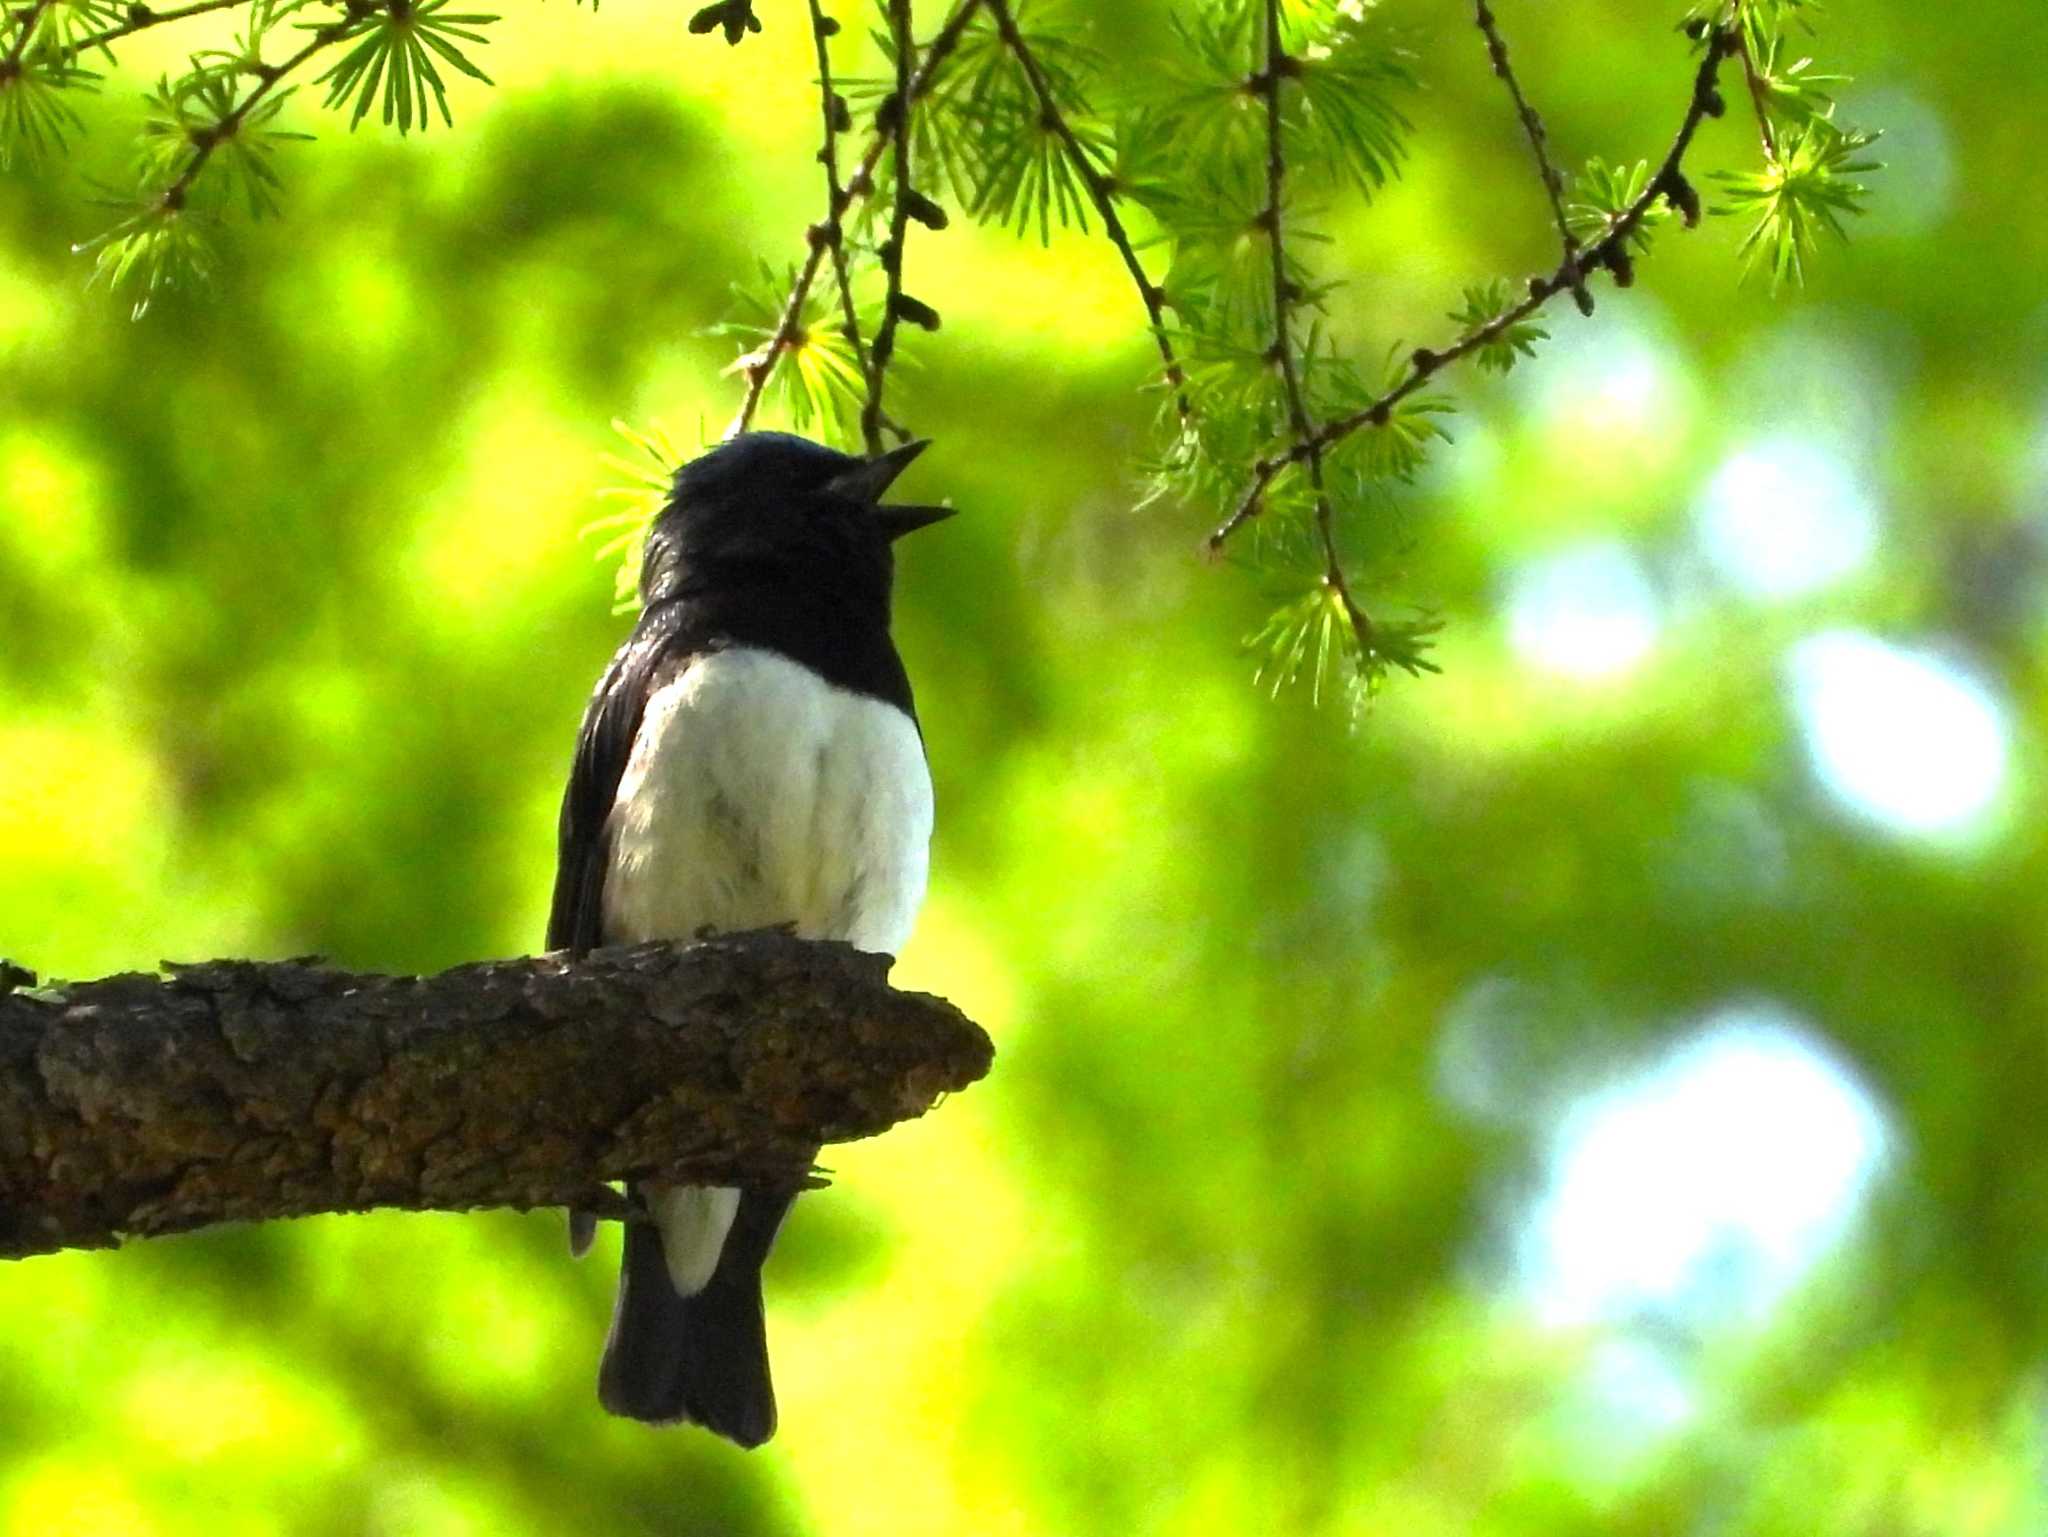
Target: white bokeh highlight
x,y
1616,376
1785,517
1706,1186
1587,613
1903,737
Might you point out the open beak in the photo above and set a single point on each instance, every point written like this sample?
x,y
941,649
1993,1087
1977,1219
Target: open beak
x,y
866,482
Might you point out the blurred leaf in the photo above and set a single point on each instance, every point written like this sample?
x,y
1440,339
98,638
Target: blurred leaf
x,y
154,249
644,486
35,119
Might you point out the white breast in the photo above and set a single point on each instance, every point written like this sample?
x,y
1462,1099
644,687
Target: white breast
x,y
758,794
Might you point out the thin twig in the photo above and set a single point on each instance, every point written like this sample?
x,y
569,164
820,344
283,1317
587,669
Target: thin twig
x,y
1609,251
760,364
1101,193
206,141
896,113
1758,97
141,18
1539,143
1278,66
832,231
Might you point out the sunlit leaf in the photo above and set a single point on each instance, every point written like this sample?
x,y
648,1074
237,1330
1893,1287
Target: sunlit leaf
x,y
1802,193
643,486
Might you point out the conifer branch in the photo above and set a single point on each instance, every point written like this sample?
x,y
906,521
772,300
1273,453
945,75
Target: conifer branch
x,y
894,118
211,138
1609,251
757,366
1268,81
1758,95
30,20
833,231
1102,194
1539,144
206,141
141,18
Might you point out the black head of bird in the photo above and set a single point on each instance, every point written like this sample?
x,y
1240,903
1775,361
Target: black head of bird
x,y
772,507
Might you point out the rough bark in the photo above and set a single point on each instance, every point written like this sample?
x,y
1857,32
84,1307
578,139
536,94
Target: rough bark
x,y
241,1090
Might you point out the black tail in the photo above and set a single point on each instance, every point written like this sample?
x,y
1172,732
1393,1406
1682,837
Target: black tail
x,y
702,1358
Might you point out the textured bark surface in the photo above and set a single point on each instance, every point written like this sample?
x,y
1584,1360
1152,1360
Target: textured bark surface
x,y
243,1090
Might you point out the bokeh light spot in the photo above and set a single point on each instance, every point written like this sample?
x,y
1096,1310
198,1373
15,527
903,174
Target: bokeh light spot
x,y
1614,403
1784,518
1917,189
1902,736
1706,1185
1585,613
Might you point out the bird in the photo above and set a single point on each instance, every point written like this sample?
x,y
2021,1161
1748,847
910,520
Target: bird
x,y
752,757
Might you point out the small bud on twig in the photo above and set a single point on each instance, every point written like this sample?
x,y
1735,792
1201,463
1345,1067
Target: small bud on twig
x,y
924,210
916,311
1679,193
736,16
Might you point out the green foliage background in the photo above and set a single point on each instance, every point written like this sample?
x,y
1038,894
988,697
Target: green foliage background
x,y
296,632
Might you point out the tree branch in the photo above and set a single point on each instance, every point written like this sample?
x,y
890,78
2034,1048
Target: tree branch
x,y
1279,65
141,18
894,120
172,199
759,365
832,107
1609,251
1099,192
1539,144
246,1091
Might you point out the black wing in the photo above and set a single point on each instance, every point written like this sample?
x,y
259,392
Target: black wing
x,y
655,648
